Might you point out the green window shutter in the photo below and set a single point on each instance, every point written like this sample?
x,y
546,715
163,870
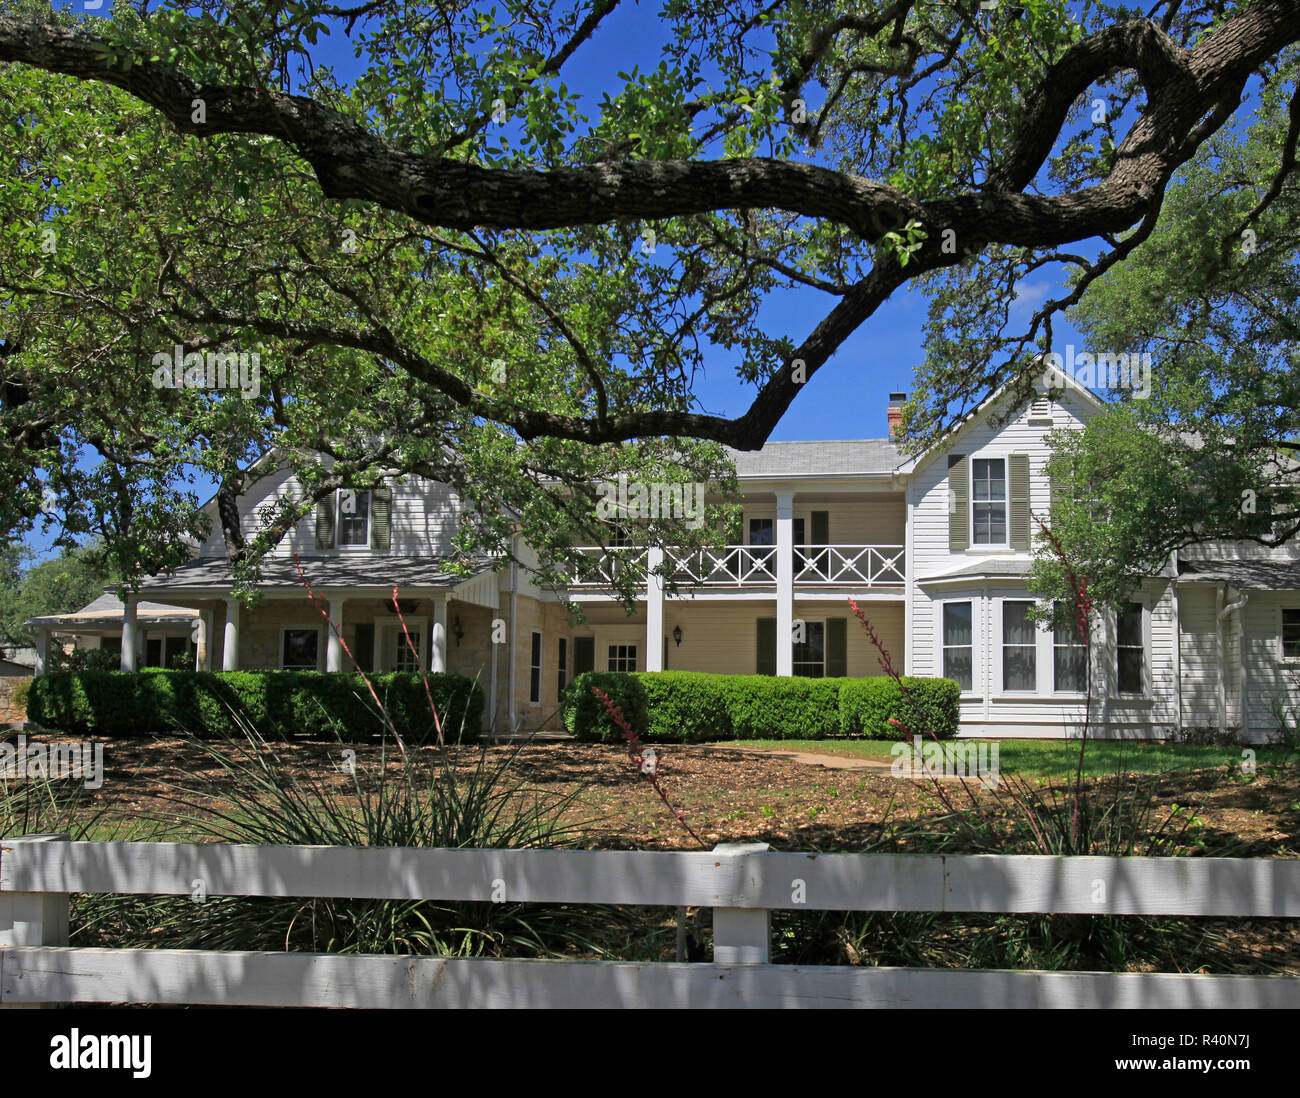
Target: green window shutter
x,y
821,528
837,647
958,502
381,519
363,648
325,523
1018,528
584,654
767,646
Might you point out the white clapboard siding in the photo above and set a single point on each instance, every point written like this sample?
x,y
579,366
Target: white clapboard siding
x,y
45,974
826,882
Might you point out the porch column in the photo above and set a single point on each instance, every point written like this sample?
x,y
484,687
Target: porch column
x,y
129,634
230,641
42,651
654,612
785,583
334,643
438,635
203,641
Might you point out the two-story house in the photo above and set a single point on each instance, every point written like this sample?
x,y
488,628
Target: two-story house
x,y
934,548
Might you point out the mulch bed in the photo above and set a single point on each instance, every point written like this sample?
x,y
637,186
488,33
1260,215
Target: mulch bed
x,y
724,796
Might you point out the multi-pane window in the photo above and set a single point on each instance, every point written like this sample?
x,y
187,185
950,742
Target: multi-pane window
x,y
622,657
989,500
1291,634
810,656
353,517
762,531
404,659
958,644
1130,653
1069,660
535,670
301,650
1019,647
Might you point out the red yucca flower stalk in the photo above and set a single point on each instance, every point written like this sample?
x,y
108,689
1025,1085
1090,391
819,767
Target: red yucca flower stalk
x,y
634,749
909,706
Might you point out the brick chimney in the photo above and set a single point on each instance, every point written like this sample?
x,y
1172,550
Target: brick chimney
x,y
895,411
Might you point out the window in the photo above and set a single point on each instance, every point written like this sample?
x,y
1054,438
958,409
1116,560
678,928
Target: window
x,y
1019,647
810,657
958,644
404,659
622,657
1069,660
989,500
1130,652
1291,634
563,665
353,523
300,649
535,670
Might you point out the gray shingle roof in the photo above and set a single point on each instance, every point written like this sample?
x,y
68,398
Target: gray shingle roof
x,y
990,566
845,457
108,608
1260,575
338,571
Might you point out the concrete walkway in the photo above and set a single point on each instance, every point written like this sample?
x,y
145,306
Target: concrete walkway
x,y
880,764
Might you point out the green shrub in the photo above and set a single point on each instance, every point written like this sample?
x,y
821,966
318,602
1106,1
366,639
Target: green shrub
x,y
20,693
769,707
585,714
277,704
866,706
688,706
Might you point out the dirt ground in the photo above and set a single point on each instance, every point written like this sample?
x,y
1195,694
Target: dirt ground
x,y
724,796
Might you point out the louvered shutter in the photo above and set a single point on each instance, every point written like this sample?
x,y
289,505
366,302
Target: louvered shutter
x,y
837,647
958,502
1018,475
381,519
767,646
325,523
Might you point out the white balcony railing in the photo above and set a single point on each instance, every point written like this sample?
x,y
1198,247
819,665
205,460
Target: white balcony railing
x,y
755,565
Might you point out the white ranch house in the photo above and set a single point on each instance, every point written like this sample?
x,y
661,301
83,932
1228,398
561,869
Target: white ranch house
x,y
935,549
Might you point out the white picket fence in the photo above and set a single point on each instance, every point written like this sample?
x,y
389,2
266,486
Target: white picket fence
x,y
741,883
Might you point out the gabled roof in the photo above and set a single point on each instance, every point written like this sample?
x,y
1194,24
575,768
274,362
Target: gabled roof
x,y
1060,380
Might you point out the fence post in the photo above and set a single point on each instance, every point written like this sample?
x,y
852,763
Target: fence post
x,y
29,918
741,935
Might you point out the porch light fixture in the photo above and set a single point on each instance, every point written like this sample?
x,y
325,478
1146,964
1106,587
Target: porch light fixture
x,y
677,635
456,630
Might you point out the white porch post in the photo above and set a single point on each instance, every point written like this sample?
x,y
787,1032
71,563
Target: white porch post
x,y
334,643
203,642
42,651
129,634
230,641
654,612
785,583
438,635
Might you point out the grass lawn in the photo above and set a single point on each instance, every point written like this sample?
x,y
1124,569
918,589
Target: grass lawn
x,y
1058,758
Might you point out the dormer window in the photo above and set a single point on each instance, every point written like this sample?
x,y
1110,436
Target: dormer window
x,y
352,523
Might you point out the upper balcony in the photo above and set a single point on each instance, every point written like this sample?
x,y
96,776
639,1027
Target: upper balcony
x,y
755,567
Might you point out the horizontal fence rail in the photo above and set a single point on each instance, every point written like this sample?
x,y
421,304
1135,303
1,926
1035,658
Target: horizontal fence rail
x,y
742,883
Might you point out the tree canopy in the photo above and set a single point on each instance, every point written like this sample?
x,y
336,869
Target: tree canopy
x,y
448,264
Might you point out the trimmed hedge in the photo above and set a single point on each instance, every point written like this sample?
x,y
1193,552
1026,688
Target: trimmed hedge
x,y
278,704
585,714
696,707
866,706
